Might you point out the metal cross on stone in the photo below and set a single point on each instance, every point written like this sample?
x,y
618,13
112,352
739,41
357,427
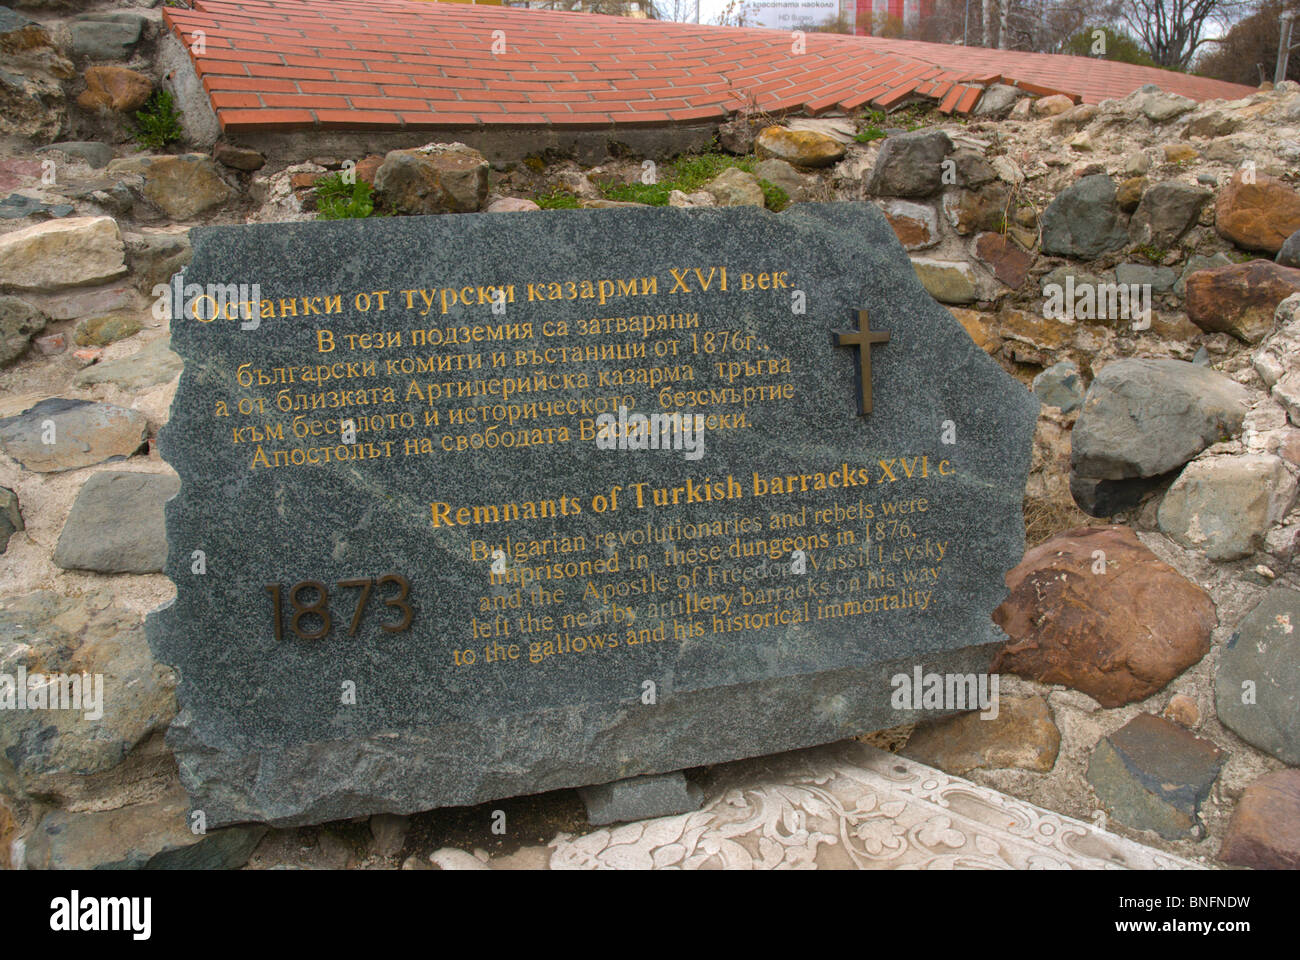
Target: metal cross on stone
x,y
863,339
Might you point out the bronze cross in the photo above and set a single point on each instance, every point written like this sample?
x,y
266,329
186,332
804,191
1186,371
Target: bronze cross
x,y
863,339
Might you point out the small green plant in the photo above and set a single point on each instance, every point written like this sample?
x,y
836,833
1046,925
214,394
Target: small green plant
x,y
1151,252
774,198
336,199
557,200
158,123
869,134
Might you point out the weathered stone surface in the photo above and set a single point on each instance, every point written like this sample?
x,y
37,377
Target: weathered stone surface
x,y
916,224
1129,193
1078,116
1277,361
83,433
74,252
1209,126
16,206
145,836
972,170
512,205
910,165
1118,629
803,148
640,798
19,322
109,328
997,100
1051,106
114,88
1259,215
1108,498
1008,262
1159,106
52,344
781,174
1143,418
1265,829
154,258
1159,279
32,105
1239,299
1084,220
979,327
11,518
238,158
1183,711
153,365
1153,775
1289,253
1021,736
1166,212
46,634
1180,152
116,524
734,187
72,304
185,186
96,155
435,178
1060,386
1257,687
1224,505
972,211
1195,263
445,735
948,281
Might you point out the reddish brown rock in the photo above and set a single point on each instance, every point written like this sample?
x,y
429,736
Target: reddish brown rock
x,y
915,224
979,327
1008,262
1259,215
301,181
1240,299
970,211
1095,610
1021,736
1265,828
1183,711
368,167
114,88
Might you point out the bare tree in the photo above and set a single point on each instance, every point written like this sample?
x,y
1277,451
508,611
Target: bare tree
x,y
676,11
1174,30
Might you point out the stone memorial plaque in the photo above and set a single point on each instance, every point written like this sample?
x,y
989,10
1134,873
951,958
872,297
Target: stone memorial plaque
x,y
485,505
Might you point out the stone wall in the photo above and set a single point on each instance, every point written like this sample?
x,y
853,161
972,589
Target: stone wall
x,y
1150,678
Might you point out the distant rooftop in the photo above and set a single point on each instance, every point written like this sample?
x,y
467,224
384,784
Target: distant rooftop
x,y
276,65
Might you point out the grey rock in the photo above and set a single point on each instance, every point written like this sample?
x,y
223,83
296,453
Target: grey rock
x,y
1159,279
104,39
997,100
1084,221
389,832
1289,254
1153,775
97,155
185,186
153,365
1209,179
910,165
1106,498
1202,356
116,524
82,434
782,174
972,170
640,798
19,322
154,258
11,518
16,206
45,635
1143,418
1160,107
1225,505
1257,687
1166,212
426,733
1059,386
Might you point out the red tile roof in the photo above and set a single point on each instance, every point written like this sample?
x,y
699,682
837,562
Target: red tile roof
x,y
376,64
